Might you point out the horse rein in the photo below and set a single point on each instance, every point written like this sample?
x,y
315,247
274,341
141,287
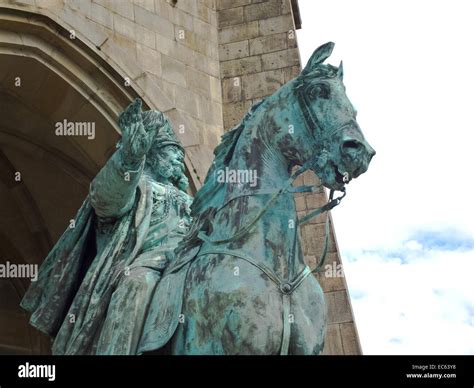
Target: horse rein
x,y
310,122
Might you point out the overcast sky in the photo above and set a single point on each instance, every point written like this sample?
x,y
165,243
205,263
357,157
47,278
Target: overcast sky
x,y
406,227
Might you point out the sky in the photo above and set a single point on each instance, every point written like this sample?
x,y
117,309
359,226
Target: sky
x,y
406,227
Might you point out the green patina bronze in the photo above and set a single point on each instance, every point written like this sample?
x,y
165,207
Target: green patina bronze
x,y
95,286
237,282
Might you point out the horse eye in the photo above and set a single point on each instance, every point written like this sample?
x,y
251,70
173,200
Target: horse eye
x,y
319,91
313,93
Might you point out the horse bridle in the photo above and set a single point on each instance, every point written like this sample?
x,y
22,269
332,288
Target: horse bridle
x,y
286,287
310,122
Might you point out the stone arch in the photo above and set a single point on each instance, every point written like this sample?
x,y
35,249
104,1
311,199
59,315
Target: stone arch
x,y
30,214
96,58
59,77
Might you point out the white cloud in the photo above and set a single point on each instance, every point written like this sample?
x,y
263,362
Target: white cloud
x,y
409,72
425,306
413,245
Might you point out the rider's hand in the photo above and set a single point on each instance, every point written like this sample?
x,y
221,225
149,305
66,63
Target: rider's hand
x,y
136,141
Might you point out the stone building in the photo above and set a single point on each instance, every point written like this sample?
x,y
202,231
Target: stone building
x,y
202,62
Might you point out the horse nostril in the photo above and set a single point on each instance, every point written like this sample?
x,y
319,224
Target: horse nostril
x,y
350,145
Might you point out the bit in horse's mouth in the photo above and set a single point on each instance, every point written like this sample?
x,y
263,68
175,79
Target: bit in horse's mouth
x,y
340,178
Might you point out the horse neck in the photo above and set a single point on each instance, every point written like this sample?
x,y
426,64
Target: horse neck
x,y
259,146
257,151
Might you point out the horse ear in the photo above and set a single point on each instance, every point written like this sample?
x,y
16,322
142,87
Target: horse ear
x,y
319,56
340,71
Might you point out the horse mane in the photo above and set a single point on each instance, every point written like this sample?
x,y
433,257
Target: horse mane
x,y
223,153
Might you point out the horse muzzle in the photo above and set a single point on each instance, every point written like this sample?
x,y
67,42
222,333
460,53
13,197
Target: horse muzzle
x,y
356,155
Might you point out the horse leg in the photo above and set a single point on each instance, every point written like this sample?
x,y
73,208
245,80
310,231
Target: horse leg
x,y
309,309
229,307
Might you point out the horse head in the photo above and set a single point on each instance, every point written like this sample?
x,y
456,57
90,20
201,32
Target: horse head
x,y
331,142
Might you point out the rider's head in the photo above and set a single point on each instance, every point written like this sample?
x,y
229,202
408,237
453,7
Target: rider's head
x,y
165,158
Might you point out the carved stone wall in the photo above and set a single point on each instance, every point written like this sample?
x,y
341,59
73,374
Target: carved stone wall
x,y
202,62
